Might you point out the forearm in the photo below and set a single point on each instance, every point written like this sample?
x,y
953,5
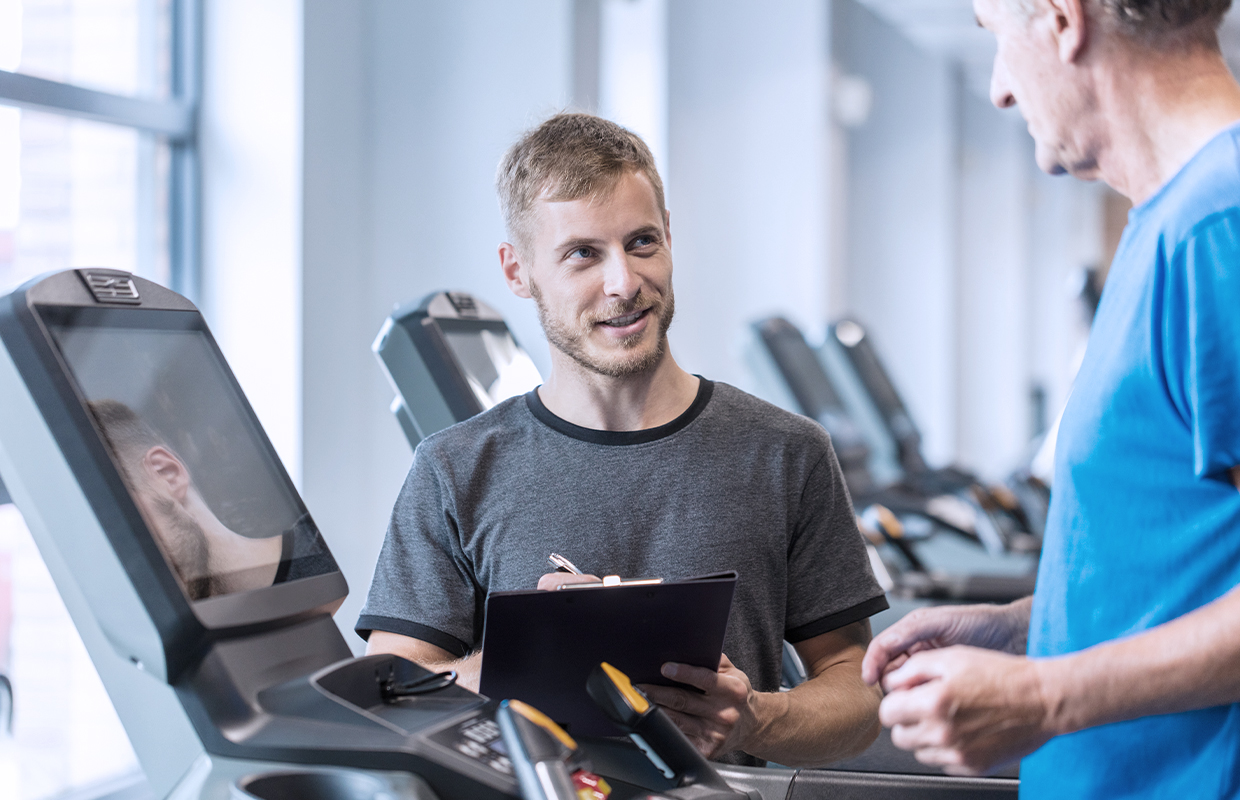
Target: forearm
x,y
832,716
468,669
428,656
1186,664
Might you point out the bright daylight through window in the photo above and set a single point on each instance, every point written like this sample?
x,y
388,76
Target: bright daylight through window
x,y
97,168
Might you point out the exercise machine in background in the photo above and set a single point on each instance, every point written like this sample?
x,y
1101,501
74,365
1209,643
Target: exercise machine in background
x,y
1021,496
920,562
449,357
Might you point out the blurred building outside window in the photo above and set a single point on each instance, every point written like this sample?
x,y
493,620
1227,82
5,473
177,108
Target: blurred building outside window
x,y
97,169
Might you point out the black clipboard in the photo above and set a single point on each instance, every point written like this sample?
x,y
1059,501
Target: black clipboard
x,y
540,646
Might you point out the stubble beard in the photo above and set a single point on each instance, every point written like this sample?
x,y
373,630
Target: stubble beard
x,y
187,545
572,342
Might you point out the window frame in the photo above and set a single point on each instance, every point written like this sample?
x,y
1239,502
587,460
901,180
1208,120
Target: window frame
x,y
174,119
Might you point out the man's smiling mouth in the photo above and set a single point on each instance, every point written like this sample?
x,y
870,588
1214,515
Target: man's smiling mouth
x,y
626,320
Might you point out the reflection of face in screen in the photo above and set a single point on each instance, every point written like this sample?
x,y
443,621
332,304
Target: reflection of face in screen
x,y
494,364
209,558
193,458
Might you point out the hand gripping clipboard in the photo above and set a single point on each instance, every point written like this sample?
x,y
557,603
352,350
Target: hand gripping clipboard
x,y
539,647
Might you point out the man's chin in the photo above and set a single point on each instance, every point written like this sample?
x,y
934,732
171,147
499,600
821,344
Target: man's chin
x,y
632,359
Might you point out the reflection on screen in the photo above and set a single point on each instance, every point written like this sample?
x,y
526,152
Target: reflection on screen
x,y
194,460
494,364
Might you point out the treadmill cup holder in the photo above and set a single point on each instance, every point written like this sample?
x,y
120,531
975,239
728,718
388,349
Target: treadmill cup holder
x,y
337,784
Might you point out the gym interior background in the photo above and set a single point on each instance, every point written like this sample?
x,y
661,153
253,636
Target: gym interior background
x,y
301,167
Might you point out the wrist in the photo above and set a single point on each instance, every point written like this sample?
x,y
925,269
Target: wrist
x,y
1053,676
1015,623
767,712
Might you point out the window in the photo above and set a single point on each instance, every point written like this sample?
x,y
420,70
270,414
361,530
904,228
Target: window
x,y
98,167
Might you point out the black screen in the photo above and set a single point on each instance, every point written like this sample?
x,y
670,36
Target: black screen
x,y
192,455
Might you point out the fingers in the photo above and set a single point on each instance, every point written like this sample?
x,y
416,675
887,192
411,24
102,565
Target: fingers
x,y
914,671
686,702
554,580
912,706
697,677
704,738
916,628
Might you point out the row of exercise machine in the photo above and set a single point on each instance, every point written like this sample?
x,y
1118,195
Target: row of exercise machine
x,y
124,427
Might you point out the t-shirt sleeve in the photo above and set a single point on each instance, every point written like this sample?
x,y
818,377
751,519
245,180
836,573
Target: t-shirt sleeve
x,y
1201,341
830,583
423,585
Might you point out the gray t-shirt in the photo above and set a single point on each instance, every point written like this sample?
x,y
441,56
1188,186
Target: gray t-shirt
x,y
734,483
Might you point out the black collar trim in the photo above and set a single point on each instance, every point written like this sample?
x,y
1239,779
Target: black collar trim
x,y
621,438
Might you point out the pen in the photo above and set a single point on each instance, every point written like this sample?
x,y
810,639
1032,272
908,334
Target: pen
x,y
562,564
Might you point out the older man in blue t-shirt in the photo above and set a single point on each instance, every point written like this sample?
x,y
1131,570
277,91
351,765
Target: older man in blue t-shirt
x,y
1133,635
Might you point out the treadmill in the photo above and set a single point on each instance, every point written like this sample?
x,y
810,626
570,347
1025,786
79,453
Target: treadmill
x,y
817,397
448,357
1026,502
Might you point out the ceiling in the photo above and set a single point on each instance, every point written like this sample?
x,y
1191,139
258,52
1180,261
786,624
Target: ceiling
x,y
949,27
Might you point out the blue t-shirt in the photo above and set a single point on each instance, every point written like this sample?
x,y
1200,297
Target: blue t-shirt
x,y
1145,521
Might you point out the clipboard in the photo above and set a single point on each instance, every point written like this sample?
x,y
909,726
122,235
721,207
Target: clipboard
x,y
539,647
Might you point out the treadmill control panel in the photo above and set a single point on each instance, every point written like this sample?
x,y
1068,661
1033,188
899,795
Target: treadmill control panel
x,y
477,738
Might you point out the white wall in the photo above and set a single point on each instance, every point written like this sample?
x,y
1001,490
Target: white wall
x,y
251,152
749,126
409,107
993,302
902,207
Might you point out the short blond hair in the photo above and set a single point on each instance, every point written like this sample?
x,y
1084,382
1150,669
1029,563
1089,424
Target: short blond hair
x,y
568,157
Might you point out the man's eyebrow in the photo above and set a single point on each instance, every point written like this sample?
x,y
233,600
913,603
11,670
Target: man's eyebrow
x,y
575,242
647,230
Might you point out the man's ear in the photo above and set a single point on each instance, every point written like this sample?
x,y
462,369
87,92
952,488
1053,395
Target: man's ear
x,y
166,471
667,227
1070,27
514,271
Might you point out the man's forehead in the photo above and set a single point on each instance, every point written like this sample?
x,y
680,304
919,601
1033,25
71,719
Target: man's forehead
x,y
629,201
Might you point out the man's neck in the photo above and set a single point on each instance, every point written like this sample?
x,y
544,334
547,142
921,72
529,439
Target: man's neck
x,y
630,403
1158,113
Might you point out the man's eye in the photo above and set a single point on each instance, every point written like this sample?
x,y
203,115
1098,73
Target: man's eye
x,y
581,252
644,241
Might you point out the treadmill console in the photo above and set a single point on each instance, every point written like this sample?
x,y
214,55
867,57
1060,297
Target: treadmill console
x,y
449,357
194,551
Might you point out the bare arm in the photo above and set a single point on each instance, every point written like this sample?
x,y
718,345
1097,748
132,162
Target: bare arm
x,y
436,659
831,716
972,710
1183,665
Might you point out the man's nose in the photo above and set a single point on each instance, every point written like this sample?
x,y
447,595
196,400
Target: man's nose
x,y
619,278
1000,94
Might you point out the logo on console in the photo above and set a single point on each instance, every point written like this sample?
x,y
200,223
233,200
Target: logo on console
x,y
111,286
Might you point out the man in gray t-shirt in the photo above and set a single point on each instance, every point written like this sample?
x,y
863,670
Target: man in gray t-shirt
x,y
629,465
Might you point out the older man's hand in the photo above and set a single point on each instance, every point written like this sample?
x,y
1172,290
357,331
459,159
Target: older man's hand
x,y
717,722
969,710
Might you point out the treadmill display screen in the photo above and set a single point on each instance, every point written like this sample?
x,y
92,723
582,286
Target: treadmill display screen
x,y
493,363
194,459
